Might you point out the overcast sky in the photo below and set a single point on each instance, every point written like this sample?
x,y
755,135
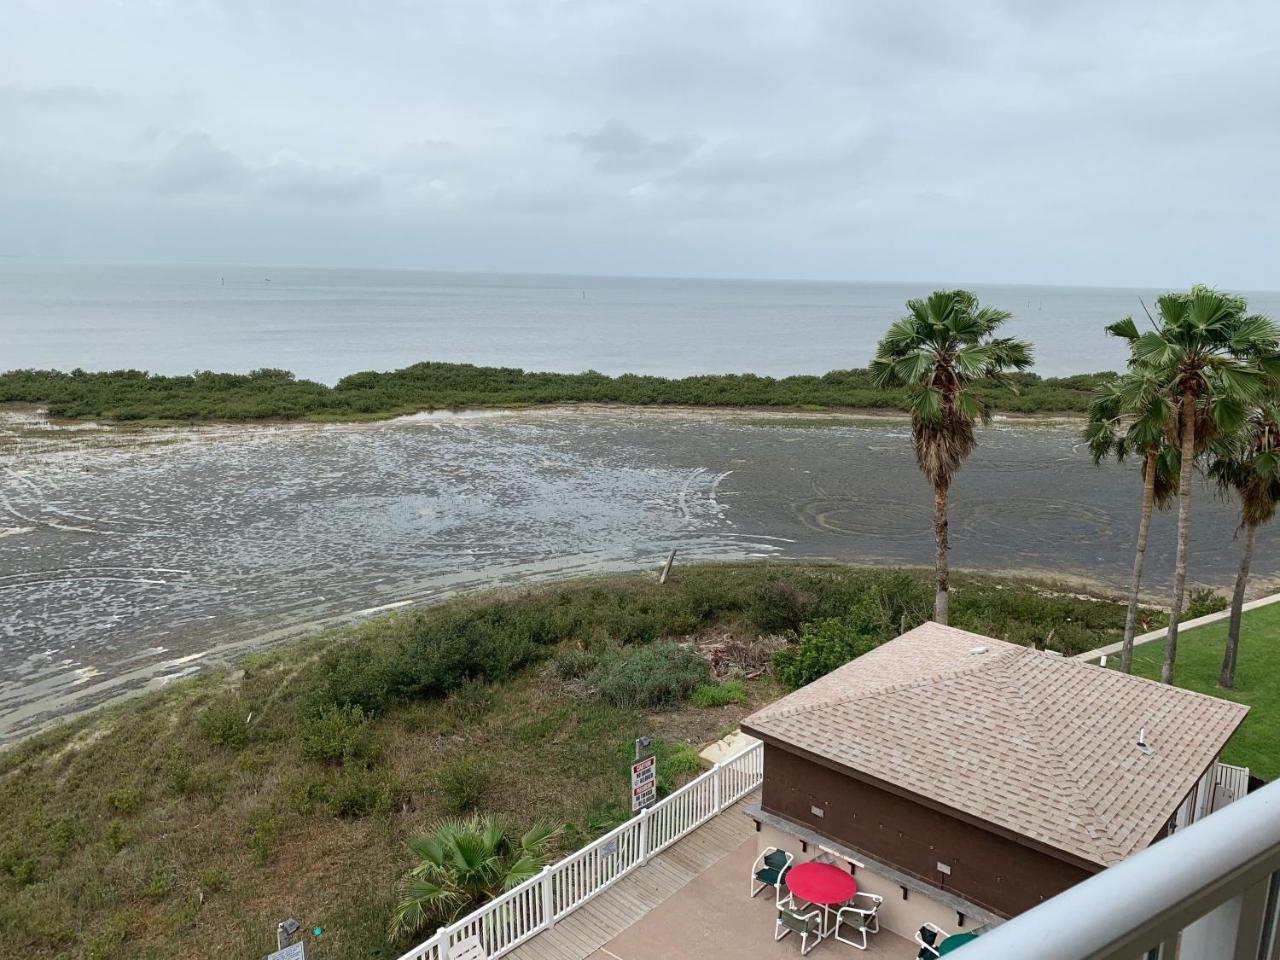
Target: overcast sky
x,y
1117,142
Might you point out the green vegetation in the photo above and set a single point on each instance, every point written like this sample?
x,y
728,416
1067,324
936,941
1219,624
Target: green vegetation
x,y
943,353
339,734
1257,684
461,865
1204,601
720,694
1128,416
464,784
1247,465
655,675
131,395
823,646
189,821
1205,366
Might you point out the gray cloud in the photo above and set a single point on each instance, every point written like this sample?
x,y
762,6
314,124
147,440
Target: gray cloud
x,y
64,97
617,147
290,175
195,164
1051,141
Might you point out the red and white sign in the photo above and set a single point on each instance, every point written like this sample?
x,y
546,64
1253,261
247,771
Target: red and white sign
x,y
644,783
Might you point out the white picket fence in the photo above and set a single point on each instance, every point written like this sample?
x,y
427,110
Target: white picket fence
x,y
523,912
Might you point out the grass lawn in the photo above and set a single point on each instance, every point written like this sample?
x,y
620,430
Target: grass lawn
x,y
1257,744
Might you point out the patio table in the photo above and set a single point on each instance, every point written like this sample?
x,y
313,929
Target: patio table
x,y
823,884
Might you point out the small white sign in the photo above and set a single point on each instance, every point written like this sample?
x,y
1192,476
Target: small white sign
x,y
644,783
295,951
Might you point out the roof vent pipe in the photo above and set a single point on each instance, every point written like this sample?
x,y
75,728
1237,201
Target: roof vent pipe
x,y
1142,742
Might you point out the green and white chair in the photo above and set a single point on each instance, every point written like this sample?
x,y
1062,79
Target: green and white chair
x,y
770,870
808,925
860,916
929,938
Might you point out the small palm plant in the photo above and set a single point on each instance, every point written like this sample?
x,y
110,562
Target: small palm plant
x,y
1248,464
939,351
1132,415
1213,361
462,864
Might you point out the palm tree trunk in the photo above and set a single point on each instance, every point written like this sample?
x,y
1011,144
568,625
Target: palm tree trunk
x,y
1139,557
1228,677
941,572
1188,413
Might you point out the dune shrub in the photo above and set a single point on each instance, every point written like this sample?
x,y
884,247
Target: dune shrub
x,y
656,675
339,735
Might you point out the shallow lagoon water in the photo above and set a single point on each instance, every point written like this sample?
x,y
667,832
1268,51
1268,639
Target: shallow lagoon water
x,y
128,559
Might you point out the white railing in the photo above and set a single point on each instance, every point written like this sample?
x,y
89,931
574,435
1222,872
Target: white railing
x,y
507,921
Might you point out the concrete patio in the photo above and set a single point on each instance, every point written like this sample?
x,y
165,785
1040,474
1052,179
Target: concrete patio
x,y
690,903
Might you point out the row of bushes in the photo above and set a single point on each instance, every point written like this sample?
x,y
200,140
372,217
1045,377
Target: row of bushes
x,y
604,631
132,395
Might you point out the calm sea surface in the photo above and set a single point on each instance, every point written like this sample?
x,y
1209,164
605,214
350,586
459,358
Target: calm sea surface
x,y
326,323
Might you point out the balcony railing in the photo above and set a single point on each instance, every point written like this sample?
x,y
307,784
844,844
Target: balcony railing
x,y
523,912
1218,880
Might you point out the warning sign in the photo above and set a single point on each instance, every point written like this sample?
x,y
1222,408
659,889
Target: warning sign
x,y
644,783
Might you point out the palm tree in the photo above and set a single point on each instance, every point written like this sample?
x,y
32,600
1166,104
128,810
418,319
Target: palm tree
x,y
1213,361
939,351
1131,415
463,864
1248,464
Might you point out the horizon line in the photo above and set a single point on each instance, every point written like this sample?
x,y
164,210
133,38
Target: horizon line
x,y
935,284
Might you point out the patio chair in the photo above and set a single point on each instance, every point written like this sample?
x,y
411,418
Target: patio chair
x,y
468,949
929,938
860,915
808,925
770,870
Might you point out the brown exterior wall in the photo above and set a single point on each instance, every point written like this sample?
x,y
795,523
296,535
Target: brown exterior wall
x,y
987,869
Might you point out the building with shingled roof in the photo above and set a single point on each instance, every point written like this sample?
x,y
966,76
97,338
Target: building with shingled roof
x,y
966,779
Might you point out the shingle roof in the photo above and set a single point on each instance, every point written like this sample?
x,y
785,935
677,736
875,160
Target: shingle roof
x,y
1040,745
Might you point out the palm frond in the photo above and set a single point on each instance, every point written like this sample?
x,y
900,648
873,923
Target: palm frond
x,y
1125,329
916,367
973,361
1254,335
926,406
423,903
1156,350
882,373
538,836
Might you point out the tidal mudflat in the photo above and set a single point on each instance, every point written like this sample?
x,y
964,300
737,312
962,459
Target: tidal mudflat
x,y
131,558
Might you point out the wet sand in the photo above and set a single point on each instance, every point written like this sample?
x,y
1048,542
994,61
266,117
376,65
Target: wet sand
x,y
131,558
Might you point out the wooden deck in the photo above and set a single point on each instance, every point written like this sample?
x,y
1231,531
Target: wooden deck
x,y
688,903
593,925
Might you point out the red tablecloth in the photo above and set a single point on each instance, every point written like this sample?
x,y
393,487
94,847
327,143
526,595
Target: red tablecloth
x,y
822,883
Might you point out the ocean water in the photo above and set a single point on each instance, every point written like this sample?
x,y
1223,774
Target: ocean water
x,y
129,559
326,323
